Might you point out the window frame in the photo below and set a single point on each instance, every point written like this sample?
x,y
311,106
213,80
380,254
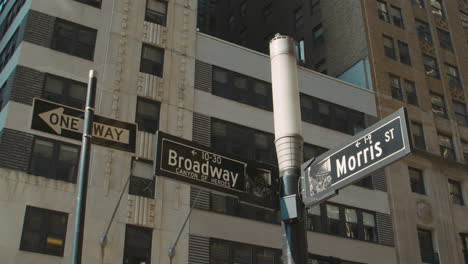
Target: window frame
x,y
417,186
143,117
65,97
411,97
464,238
423,30
389,51
396,91
461,118
73,43
465,151
147,65
451,150
443,113
162,16
54,161
135,182
404,52
383,14
139,230
431,70
445,39
436,10
44,230
413,123
430,256
457,198
454,80
397,20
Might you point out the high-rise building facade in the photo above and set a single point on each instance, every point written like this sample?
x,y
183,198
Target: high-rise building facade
x,y
157,71
412,53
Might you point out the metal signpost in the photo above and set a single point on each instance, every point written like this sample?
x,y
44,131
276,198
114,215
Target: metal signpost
x,y
377,146
68,122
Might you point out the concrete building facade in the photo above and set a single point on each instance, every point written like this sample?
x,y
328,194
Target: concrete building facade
x,y
157,71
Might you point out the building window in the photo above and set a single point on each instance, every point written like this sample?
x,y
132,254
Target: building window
x,y
74,39
460,113
156,12
242,141
446,147
437,8
147,115
431,67
416,180
465,151
418,136
397,17
426,247
64,91
383,11
343,221
10,18
314,6
438,105
455,192
453,76
411,94
403,49
229,252
54,160
298,18
314,219
389,47
137,249
44,231
312,151
242,88
142,179
333,219
318,33
152,60
9,50
243,8
445,40
95,3
326,114
464,238
395,86
424,31
369,227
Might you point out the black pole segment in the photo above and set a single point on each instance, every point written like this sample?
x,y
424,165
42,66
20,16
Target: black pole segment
x,y
82,187
294,240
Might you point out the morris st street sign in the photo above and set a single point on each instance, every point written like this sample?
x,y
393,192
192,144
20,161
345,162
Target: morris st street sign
x,y
68,122
377,146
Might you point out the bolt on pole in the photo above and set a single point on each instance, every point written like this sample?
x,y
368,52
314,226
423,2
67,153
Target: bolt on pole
x,y
83,170
289,144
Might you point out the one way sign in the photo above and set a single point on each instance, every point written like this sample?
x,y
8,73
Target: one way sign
x,y
68,122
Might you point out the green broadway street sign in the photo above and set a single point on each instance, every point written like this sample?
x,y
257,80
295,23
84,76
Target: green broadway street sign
x,y
377,146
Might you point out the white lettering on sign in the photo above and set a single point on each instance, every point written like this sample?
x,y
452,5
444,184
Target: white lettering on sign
x,y
192,168
361,158
59,121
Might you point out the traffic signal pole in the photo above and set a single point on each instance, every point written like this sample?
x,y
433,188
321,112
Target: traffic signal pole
x,y
83,170
289,145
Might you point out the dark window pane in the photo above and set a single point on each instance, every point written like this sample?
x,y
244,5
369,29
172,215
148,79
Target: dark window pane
x,y
445,40
438,105
156,12
369,227
219,253
425,246
424,31
411,94
95,3
147,115
455,192
397,17
389,47
383,11
404,53
431,67
333,216
74,39
416,181
44,231
152,60
314,219
446,147
395,86
137,249
351,223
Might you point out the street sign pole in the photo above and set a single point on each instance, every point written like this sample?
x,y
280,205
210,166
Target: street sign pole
x,y
289,144
83,170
